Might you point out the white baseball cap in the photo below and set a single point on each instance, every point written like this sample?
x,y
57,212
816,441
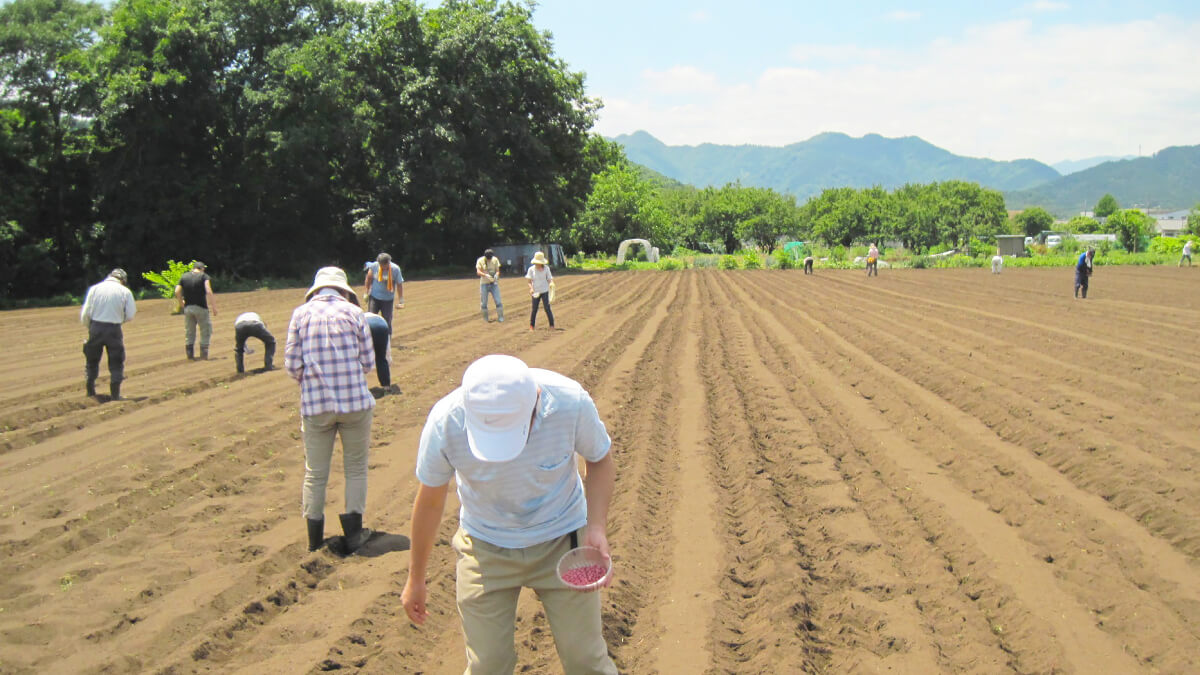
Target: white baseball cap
x,y
498,396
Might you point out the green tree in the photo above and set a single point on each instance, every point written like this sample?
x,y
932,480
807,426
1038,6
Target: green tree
x,y
1106,206
1033,220
1083,225
1193,221
1131,227
622,206
47,100
912,215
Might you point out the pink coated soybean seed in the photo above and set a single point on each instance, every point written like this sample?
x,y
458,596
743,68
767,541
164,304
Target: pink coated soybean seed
x,y
584,576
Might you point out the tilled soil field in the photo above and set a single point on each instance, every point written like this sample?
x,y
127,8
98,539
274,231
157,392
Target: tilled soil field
x,y
927,471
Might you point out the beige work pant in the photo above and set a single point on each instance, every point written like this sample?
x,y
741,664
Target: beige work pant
x,y
490,579
319,432
193,316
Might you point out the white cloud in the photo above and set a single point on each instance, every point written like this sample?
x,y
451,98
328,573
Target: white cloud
x,y
903,15
681,80
1006,91
700,16
1047,6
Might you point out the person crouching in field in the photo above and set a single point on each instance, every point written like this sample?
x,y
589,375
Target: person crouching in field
x,y
808,264
540,278
107,305
246,326
997,263
329,352
1083,270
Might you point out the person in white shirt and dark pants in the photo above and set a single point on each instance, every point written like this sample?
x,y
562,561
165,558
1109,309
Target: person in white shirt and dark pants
x,y
108,305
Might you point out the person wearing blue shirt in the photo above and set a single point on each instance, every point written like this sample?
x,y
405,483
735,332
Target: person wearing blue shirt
x,y
1083,270
384,284
509,438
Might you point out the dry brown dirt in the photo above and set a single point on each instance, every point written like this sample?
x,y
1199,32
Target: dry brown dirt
x,y
927,471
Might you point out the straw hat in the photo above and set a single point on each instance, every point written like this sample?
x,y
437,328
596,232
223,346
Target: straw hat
x,y
332,277
539,258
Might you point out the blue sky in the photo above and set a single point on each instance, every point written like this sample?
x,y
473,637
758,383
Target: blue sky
x,y
1043,79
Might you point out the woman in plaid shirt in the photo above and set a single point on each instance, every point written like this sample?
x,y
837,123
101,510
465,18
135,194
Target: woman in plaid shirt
x,y
329,352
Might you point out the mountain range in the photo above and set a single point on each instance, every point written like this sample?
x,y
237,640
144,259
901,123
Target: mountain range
x,y
1170,179
1070,166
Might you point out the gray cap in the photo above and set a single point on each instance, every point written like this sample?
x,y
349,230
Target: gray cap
x,y
120,275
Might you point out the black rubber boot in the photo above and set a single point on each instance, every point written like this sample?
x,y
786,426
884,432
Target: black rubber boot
x,y
316,533
114,390
356,534
269,357
239,361
203,353
91,387
191,352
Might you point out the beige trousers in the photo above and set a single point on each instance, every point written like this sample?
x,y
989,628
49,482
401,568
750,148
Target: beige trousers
x,y
193,316
489,581
319,432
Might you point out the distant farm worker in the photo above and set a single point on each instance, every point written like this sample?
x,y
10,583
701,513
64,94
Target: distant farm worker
x,y
873,261
487,267
107,305
1187,254
246,326
997,263
381,338
1083,270
194,291
808,264
383,287
329,352
540,278
509,437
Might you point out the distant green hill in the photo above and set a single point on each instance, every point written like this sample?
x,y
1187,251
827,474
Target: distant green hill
x,y
1168,180
828,160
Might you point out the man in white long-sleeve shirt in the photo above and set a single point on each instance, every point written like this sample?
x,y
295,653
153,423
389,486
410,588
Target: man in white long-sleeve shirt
x,y
108,305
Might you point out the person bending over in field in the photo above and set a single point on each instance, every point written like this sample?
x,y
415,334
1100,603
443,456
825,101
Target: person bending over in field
x,y
1083,270
509,437
808,264
381,337
997,263
246,326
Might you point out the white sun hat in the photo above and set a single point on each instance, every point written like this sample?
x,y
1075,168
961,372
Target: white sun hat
x,y
499,395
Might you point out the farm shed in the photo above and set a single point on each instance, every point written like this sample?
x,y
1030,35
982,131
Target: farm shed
x,y
515,257
1011,244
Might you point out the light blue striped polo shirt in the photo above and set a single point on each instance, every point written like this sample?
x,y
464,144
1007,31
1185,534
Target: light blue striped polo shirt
x,y
534,498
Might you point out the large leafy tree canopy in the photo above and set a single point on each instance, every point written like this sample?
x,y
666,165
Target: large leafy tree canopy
x,y
271,136
46,100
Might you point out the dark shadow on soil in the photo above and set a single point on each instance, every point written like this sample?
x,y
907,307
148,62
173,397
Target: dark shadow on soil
x,y
379,544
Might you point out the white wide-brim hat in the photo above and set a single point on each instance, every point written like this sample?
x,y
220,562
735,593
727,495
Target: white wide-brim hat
x,y
499,395
332,277
539,258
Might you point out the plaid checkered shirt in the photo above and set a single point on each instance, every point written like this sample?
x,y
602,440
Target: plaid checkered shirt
x,y
329,351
